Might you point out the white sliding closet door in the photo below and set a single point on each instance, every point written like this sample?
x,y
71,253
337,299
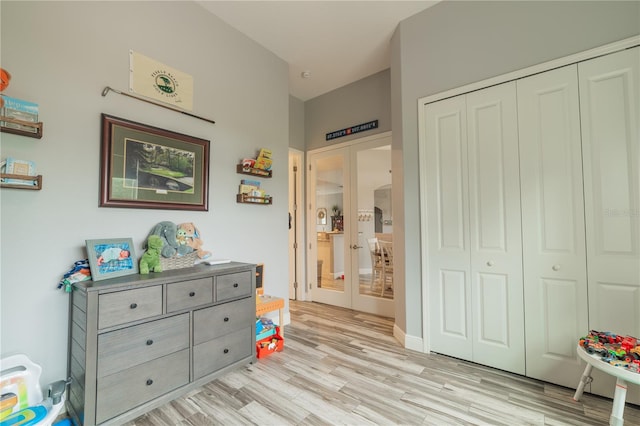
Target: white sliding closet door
x,y
495,228
555,271
448,228
473,222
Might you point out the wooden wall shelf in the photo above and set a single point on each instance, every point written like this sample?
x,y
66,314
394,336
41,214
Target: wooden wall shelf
x,y
253,172
248,199
37,133
36,182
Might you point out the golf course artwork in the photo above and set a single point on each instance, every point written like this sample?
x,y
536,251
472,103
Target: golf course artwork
x,y
149,167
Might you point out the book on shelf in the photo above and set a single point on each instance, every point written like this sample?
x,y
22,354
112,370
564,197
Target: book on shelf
x,y
26,168
19,109
247,189
250,182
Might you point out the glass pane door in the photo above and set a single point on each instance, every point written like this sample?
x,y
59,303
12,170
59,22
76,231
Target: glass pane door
x,y
372,217
351,250
328,177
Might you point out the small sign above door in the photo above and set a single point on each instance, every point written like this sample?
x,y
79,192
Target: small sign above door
x,y
353,129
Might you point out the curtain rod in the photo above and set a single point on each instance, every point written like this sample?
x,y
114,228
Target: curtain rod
x,y
108,89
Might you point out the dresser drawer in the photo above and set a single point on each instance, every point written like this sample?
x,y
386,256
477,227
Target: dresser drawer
x,y
217,353
129,305
187,294
216,321
128,347
127,389
233,286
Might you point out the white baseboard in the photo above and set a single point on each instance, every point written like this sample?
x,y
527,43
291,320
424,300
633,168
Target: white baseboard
x,y
409,342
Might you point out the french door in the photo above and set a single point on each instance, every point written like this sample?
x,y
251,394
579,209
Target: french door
x,y
349,193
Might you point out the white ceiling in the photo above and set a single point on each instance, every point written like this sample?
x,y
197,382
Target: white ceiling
x,y
337,42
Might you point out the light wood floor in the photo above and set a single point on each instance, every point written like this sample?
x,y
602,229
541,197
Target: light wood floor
x,y
344,367
365,286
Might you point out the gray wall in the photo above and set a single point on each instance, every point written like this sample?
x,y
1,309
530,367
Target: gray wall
x,y
356,103
456,43
296,123
61,55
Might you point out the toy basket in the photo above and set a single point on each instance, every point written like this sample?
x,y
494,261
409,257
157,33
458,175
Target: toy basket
x,y
186,261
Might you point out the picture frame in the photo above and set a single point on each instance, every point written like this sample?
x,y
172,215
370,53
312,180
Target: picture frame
x,y
142,166
110,258
321,216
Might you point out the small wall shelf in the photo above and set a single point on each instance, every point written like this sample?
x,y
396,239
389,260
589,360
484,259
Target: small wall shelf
x,y
253,172
33,182
248,199
36,126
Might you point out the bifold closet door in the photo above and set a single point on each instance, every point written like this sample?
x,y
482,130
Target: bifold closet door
x,y
610,107
448,256
495,228
473,222
554,254
609,97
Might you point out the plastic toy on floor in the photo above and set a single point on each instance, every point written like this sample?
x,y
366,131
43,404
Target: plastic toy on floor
x,y
21,400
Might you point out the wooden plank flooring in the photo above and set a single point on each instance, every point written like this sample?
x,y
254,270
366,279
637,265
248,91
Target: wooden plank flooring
x,y
344,367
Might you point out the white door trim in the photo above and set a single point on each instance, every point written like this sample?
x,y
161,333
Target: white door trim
x,y
299,218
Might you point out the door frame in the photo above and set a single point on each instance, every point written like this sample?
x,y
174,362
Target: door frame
x,y
310,224
297,253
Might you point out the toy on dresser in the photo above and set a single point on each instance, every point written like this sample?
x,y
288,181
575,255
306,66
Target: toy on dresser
x,y
189,235
150,261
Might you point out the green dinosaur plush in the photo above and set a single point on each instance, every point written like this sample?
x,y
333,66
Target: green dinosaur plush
x,y
150,261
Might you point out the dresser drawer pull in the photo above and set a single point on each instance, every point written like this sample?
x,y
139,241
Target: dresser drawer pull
x,y
235,285
149,342
133,305
226,319
193,293
149,382
226,351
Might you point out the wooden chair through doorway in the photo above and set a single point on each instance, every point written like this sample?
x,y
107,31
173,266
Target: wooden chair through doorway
x,y
376,263
386,248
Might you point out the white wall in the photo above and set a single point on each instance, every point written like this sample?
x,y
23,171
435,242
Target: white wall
x,y
61,56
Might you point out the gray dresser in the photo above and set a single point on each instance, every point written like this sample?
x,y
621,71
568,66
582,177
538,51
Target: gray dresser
x,y
139,341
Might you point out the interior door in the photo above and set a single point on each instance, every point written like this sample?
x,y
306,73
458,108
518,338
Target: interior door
x,y
449,255
474,231
328,176
350,204
555,269
495,228
610,107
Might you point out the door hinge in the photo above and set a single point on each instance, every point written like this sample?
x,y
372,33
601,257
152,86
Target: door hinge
x,y
295,245
295,284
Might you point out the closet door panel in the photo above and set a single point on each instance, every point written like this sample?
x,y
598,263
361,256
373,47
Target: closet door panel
x,y
495,228
610,107
554,254
447,227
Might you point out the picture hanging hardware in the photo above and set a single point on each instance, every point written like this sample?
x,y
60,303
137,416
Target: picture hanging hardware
x,y
108,89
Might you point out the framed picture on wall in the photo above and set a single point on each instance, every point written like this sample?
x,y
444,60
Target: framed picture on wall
x,y
109,258
147,167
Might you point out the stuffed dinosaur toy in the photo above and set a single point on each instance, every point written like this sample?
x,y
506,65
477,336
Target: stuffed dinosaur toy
x,y
150,261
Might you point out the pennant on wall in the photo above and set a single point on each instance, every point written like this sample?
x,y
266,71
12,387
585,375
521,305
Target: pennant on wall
x,y
157,81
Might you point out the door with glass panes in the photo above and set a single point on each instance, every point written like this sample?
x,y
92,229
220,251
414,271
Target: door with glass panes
x,y
350,228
